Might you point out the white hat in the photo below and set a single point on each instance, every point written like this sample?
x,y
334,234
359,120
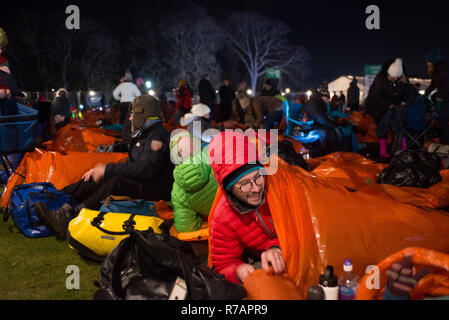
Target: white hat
x,y
198,110
395,70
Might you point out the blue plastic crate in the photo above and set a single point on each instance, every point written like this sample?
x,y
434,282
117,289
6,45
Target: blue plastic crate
x,y
18,132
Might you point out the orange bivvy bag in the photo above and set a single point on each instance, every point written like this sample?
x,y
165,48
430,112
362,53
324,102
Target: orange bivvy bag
x,y
56,168
261,285
320,222
435,284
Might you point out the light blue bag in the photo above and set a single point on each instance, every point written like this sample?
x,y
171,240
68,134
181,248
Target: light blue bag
x,y
140,207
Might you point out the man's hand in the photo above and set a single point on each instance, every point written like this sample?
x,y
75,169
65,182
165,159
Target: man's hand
x,y
96,173
391,106
59,118
5,69
274,258
243,271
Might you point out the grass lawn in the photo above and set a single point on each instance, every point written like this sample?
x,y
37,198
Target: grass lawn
x,y
36,268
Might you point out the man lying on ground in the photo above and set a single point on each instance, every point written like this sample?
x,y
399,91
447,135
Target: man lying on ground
x,y
241,227
147,173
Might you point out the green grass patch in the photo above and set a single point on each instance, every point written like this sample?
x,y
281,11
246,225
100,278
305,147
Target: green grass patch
x,y
36,268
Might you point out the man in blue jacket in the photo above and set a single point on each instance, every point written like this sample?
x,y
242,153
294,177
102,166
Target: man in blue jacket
x,y
147,173
316,109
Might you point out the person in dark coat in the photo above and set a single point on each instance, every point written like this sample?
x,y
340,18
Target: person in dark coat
x,y
353,96
316,109
342,98
207,93
60,109
184,95
439,71
387,99
263,112
387,90
227,96
242,102
146,174
269,89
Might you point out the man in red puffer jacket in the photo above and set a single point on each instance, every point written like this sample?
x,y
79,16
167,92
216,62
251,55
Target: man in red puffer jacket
x,y
241,221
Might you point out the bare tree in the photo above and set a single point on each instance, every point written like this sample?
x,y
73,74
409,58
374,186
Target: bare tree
x,y
99,60
193,39
62,46
146,54
27,32
261,43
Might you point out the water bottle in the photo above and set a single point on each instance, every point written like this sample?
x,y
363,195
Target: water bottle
x,y
329,283
316,293
349,282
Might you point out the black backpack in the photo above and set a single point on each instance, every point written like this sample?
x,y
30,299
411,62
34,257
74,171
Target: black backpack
x,y
151,266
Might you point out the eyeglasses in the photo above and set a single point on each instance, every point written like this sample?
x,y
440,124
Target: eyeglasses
x,y
258,181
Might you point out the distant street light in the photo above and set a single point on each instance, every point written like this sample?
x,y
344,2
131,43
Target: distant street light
x,y
148,84
249,92
287,91
151,92
91,93
309,93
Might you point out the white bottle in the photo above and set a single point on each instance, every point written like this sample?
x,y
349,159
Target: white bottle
x,y
349,282
329,282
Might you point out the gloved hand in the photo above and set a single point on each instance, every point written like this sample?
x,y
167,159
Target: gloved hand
x,y
402,277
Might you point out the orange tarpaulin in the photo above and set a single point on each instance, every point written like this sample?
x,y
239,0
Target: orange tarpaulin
x,y
166,212
320,223
73,138
59,169
357,172
435,284
261,285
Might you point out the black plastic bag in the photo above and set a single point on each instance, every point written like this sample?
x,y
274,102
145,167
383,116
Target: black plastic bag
x,y
416,158
412,169
406,176
147,266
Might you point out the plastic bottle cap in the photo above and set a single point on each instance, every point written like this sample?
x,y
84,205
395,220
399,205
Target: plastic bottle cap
x,y
316,293
347,266
329,279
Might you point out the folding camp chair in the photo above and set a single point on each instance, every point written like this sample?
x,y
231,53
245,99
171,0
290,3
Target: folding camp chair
x,y
417,129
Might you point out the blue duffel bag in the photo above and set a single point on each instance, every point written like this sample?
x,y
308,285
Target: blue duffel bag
x,y
21,207
123,204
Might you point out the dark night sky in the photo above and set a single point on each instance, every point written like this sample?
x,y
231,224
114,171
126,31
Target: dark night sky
x,y
333,32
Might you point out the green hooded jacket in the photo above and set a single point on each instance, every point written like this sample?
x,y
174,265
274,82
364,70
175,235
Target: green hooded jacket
x,y
193,192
